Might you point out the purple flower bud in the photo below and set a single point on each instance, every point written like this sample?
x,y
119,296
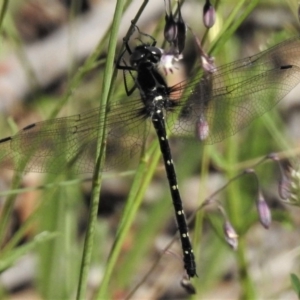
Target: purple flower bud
x,y
202,129
207,62
284,187
209,14
231,236
171,30
263,211
175,30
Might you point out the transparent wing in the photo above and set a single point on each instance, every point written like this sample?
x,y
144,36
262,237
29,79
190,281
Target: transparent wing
x,y
70,142
214,108
220,104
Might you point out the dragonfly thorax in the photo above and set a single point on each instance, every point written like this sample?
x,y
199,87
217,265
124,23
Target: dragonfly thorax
x,y
144,54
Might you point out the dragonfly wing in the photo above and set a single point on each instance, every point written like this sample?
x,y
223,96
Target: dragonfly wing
x,y
55,145
222,103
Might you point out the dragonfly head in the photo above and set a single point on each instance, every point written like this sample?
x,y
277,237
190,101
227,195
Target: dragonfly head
x,y
144,54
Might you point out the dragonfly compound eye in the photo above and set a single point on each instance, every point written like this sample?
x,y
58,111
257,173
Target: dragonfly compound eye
x,y
137,56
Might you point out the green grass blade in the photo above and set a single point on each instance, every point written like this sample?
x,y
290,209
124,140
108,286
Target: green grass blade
x,y
141,182
11,257
3,12
88,244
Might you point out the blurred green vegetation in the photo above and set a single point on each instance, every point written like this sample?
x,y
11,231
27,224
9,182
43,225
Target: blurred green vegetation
x,y
124,250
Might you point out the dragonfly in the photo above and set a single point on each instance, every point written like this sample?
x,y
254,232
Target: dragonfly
x,y
209,107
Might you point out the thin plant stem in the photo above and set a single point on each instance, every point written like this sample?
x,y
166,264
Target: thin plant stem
x,y
108,73
3,12
143,177
232,24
